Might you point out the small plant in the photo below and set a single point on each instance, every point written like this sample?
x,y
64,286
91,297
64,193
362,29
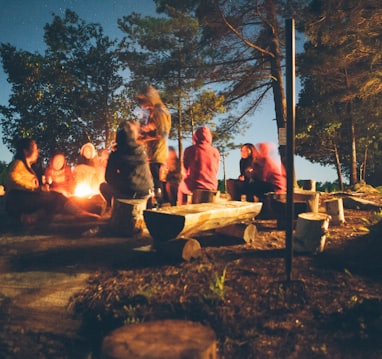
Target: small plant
x,y
131,315
217,288
146,291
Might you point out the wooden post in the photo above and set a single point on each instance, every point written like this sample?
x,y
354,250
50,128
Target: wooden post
x,y
335,209
127,216
311,229
170,339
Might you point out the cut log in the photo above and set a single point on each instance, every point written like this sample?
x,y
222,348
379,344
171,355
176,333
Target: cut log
x,y
246,232
335,209
360,203
170,339
204,196
310,235
127,216
179,249
172,222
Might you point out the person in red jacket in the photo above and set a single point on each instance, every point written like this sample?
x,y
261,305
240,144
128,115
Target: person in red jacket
x,y
200,165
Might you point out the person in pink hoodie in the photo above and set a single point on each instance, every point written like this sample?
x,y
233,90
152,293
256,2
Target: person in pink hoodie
x,y
200,165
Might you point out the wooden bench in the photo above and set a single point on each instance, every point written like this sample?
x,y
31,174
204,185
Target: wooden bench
x,y
168,223
304,201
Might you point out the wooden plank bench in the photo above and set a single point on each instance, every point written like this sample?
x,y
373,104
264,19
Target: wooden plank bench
x,y
168,223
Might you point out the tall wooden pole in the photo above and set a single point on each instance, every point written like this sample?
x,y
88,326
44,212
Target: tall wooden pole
x,y
290,98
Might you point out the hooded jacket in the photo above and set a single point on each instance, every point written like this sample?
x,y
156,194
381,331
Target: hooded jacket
x,y
201,162
127,169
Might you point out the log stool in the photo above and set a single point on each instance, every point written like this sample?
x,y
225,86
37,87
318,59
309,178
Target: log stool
x,y
163,339
310,235
335,208
127,216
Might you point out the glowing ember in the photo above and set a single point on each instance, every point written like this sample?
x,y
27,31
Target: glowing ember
x,y
84,190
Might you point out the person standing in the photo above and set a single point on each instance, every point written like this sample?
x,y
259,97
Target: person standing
x,y
154,134
201,163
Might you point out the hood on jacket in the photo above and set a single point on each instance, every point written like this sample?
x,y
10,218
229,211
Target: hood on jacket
x,y
202,135
88,151
127,135
150,95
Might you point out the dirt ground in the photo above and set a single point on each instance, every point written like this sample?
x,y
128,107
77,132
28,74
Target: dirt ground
x,y
330,307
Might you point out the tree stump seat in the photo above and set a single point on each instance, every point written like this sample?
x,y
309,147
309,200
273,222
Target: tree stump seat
x,y
162,339
127,216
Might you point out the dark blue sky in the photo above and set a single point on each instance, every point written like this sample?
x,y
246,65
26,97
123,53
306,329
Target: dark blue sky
x,y
22,25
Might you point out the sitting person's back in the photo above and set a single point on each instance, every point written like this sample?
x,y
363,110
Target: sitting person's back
x,y
201,165
128,173
268,169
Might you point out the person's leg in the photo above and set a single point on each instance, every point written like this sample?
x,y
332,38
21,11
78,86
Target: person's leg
x,y
260,188
234,188
19,202
107,193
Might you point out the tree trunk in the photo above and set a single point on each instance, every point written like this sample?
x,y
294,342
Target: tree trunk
x,y
353,157
276,72
338,166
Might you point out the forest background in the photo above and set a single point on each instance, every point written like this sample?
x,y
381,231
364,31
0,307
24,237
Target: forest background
x,y
215,62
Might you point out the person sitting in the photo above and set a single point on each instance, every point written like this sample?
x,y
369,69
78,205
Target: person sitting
x,y
128,172
88,155
270,173
59,175
243,184
87,176
25,199
259,174
173,176
201,165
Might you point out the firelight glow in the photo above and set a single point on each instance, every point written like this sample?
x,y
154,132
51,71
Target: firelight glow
x,y
84,190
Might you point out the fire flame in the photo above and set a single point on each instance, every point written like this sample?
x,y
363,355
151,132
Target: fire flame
x,y
84,190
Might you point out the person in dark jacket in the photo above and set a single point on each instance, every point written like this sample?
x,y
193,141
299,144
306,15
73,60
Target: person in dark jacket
x,y
243,184
127,172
